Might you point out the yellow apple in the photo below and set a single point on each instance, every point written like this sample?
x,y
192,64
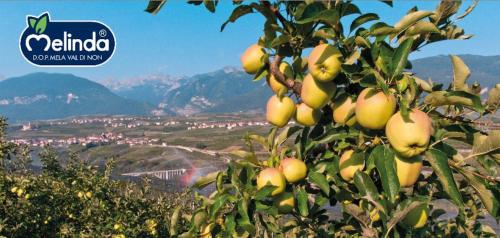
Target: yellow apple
x,y
206,231
349,165
285,202
409,138
408,170
343,111
293,169
271,176
324,62
275,85
316,94
374,108
417,217
307,116
279,111
253,59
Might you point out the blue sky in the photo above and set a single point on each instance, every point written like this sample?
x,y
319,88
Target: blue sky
x,y
185,40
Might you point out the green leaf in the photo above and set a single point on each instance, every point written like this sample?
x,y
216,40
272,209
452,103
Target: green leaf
x,y
41,24
285,134
317,12
384,58
424,85
439,163
244,220
489,200
174,220
363,19
334,135
195,2
210,5
403,210
381,29
388,2
320,180
230,223
381,82
218,204
367,189
401,56
461,73
248,156
282,39
302,202
265,192
349,8
206,180
411,19
154,6
31,22
272,136
237,13
320,200
475,99
422,27
243,210
261,140
263,72
220,181
325,33
386,167
368,81
458,98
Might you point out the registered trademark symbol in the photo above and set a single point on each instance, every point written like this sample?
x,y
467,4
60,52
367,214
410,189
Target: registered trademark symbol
x,y
103,33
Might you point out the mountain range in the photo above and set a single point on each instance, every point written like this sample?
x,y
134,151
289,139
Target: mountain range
x,y
49,96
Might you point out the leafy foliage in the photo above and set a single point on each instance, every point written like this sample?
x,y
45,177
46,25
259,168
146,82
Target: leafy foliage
x,y
375,55
79,200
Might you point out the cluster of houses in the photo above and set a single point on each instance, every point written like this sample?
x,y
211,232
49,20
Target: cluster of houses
x,y
227,125
124,122
92,140
87,140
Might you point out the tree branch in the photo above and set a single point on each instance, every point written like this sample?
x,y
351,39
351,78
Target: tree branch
x,y
485,177
288,82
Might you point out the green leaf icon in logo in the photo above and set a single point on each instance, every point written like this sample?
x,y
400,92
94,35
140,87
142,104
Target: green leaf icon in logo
x,y
38,24
41,24
32,21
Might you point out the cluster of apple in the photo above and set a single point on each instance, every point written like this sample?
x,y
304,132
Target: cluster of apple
x,y
290,170
372,109
317,90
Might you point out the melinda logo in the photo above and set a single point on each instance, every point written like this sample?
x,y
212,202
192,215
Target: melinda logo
x,y
66,43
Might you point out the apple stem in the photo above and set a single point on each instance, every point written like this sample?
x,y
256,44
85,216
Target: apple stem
x,y
288,82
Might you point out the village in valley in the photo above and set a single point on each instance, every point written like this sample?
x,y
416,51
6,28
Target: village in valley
x,y
118,130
